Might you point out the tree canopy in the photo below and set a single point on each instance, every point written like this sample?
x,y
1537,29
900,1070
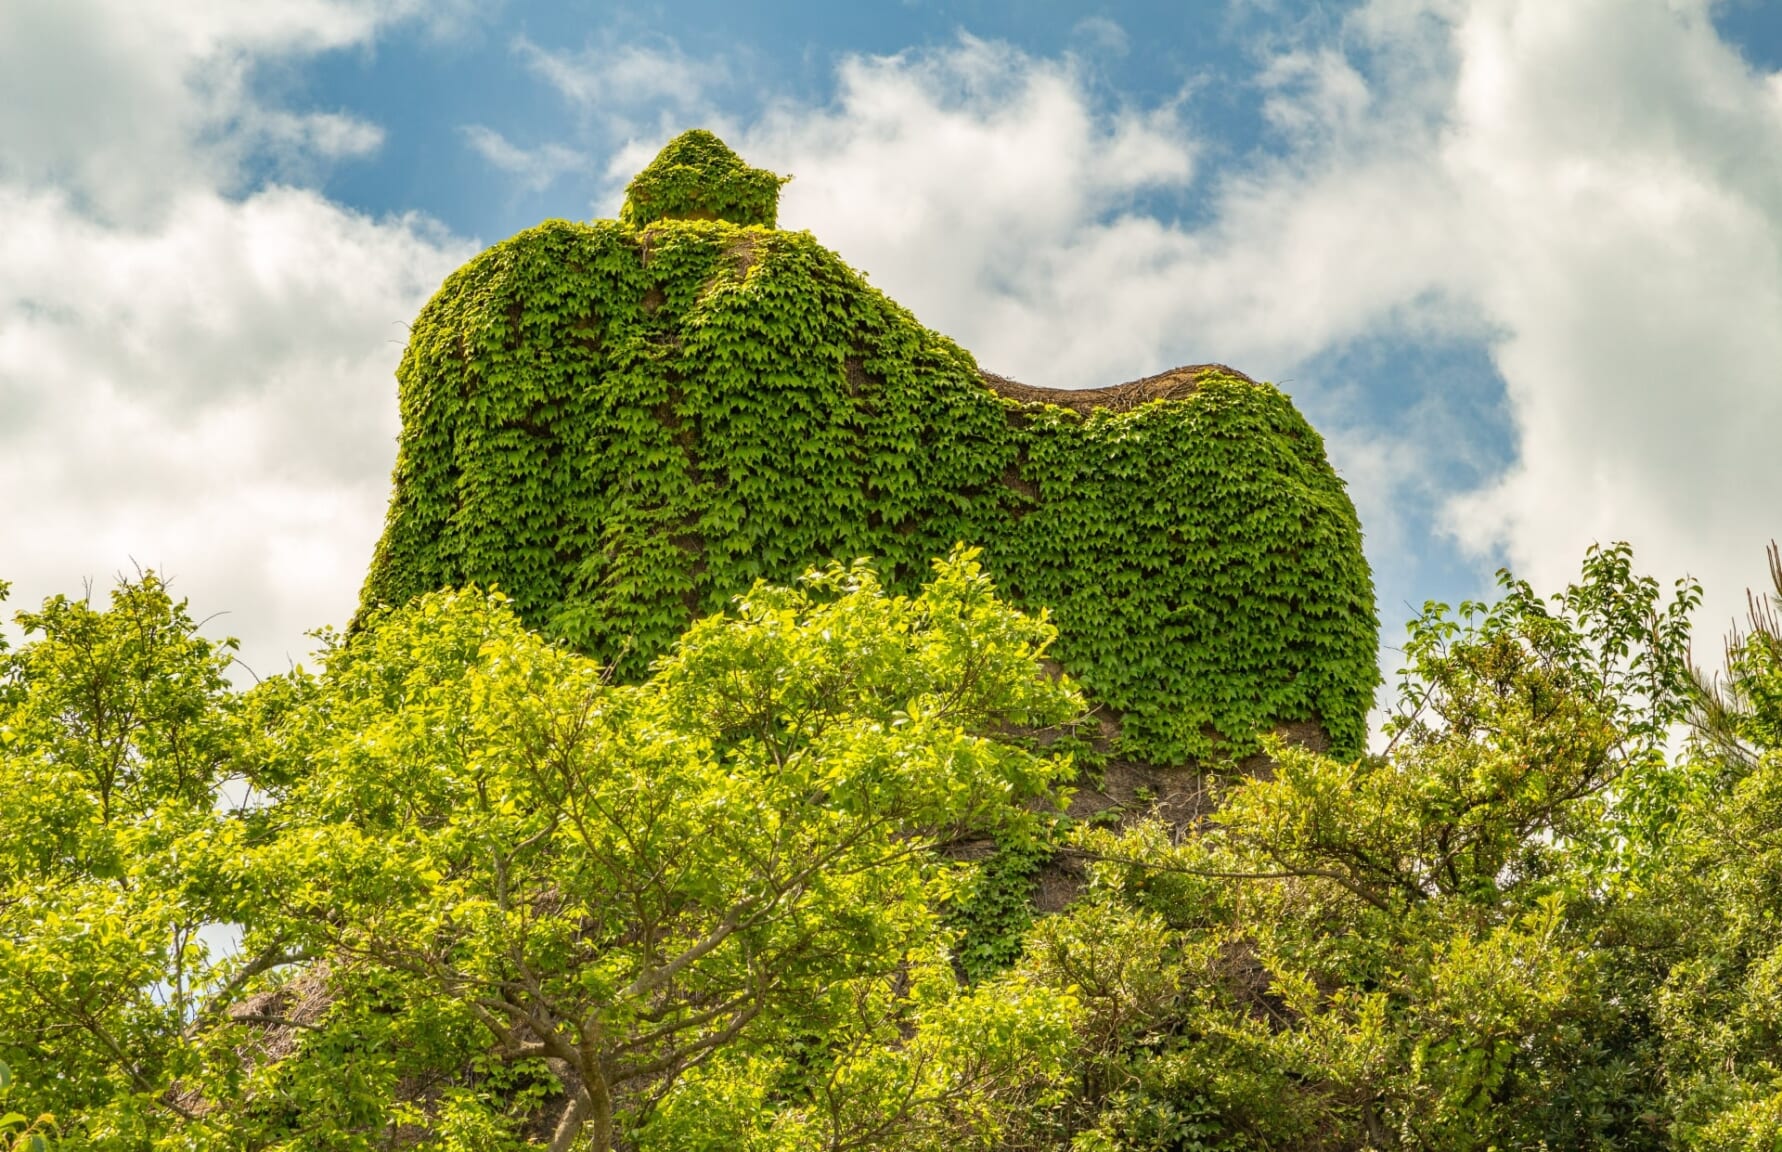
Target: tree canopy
x,y
462,888
484,891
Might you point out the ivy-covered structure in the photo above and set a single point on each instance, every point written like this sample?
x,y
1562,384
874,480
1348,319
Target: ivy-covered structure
x,y
624,423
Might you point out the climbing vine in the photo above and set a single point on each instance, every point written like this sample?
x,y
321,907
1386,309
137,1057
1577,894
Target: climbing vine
x,y
626,423
994,908
698,178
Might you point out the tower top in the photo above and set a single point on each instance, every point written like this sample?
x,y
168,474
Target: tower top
x,y
697,177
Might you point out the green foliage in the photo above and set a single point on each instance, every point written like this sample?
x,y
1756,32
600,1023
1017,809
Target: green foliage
x,y
1441,947
631,861
476,851
18,1132
122,700
994,908
923,1067
115,730
697,177
1558,718
1721,1008
624,424
491,897
1736,718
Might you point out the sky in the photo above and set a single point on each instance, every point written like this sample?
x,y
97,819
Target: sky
x,y
1520,261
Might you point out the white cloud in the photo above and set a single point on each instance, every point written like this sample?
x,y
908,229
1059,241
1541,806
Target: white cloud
x,y
628,99
212,399
979,187
123,103
984,189
325,135
1587,187
537,168
191,378
630,88
200,379
1102,35
1615,162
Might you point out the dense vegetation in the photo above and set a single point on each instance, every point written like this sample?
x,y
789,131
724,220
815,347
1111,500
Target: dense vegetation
x,y
623,424
625,817
482,895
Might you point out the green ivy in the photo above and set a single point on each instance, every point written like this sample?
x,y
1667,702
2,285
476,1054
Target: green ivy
x,y
626,423
994,907
697,177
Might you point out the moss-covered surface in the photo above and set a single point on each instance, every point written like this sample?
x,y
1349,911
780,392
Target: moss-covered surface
x,y
625,423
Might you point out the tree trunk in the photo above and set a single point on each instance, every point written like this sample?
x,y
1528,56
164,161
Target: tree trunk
x,y
591,1109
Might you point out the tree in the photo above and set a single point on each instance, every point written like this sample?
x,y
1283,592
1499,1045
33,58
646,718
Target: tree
x,y
488,898
18,1132
1425,948
1719,1006
616,885
115,730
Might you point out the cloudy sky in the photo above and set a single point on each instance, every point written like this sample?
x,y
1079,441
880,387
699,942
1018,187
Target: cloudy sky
x,y
1519,260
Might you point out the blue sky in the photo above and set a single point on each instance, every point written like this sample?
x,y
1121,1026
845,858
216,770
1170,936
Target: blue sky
x,y
1519,260
415,86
